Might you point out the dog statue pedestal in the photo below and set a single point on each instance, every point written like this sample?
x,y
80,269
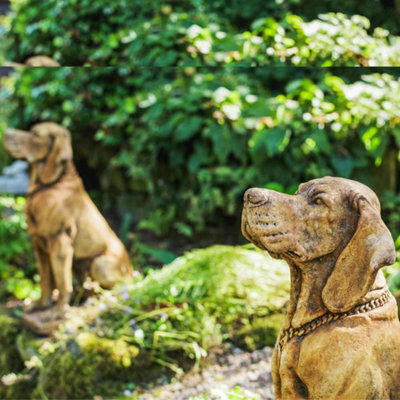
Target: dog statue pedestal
x,y
44,322
47,322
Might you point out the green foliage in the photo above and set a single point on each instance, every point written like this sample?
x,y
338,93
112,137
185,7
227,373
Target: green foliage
x,y
167,320
337,128
191,141
198,301
326,41
4,157
390,213
10,360
16,255
236,393
104,33
381,14
85,367
197,32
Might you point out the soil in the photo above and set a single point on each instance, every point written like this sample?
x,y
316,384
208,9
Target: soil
x,y
223,370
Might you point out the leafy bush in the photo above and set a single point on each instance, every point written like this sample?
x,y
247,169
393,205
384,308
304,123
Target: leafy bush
x,y
104,33
16,255
328,40
191,141
340,128
195,32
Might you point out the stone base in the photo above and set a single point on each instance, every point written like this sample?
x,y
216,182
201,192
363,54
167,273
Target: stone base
x,y
42,322
46,322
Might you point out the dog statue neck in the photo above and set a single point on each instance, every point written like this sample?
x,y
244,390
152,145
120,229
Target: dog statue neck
x,y
307,283
66,171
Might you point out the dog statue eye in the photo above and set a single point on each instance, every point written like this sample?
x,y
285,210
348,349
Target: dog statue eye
x,y
318,201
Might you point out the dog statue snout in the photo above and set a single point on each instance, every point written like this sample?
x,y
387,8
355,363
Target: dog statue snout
x,y
9,132
255,196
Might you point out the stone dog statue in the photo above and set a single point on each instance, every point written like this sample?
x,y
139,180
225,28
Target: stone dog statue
x,y
341,336
69,235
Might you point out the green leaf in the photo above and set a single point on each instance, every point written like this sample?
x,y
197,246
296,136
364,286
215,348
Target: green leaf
x,y
271,141
188,128
163,256
342,164
221,138
321,141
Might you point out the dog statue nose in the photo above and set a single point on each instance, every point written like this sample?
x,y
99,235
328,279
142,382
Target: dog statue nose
x,y
254,196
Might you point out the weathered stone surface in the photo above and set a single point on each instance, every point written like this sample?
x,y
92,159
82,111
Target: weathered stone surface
x,y
69,235
41,61
34,61
47,322
41,323
341,337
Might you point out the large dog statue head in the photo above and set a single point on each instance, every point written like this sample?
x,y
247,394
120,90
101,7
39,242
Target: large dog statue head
x,y
324,216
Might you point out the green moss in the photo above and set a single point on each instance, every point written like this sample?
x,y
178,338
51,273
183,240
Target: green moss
x,y
259,332
87,366
13,340
119,352
23,387
10,360
65,376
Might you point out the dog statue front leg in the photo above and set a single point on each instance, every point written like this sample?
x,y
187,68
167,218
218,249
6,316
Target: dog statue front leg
x,y
46,278
61,257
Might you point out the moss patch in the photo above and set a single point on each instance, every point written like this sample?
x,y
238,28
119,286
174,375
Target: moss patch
x,y
10,359
87,366
259,332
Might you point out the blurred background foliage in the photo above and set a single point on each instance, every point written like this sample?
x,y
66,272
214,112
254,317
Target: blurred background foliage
x,y
167,153
177,148
18,275
200,32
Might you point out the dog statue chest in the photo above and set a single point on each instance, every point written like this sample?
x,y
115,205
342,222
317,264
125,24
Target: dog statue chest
x,y
42,207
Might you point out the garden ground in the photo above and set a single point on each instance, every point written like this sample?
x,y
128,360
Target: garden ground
x,y
223,371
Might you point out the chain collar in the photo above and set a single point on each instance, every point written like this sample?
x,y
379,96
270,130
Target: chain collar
x,y
311,326
41,186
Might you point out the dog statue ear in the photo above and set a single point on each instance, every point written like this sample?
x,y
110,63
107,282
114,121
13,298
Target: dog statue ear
x,y
60,152
370,249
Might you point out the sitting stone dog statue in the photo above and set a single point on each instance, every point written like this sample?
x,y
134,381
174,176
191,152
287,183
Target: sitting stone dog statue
x,y
69,235
341,336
